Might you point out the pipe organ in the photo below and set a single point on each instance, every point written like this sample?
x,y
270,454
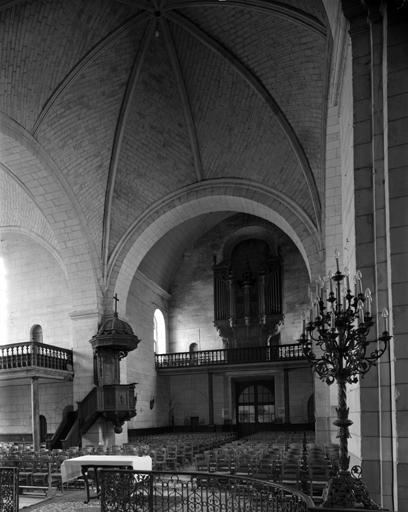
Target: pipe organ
x,y
248,295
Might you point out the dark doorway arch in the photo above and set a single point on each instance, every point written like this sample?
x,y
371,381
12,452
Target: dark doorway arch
x,y
37,333
43,429
255,405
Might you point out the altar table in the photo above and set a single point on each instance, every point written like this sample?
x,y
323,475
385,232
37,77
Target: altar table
x,y
73,468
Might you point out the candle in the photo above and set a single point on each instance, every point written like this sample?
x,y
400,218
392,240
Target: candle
x,y
332,320
347,274
368,301
330,275
355,285
336,255
385,316
360,312
360,280
344,299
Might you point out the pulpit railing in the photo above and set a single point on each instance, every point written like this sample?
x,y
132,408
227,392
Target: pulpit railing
x,y
33,354
155,491
230,356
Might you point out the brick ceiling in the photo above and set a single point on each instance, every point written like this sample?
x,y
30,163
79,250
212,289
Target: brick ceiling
x,y
134,100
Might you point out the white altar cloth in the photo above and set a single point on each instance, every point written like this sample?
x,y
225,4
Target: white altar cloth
x,y
72,468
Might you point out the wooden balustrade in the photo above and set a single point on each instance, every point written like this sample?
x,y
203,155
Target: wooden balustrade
x,y
33,354
230,356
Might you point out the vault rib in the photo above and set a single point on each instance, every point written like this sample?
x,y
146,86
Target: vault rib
x,y
184,98
266,6
257,86
84,63
117,142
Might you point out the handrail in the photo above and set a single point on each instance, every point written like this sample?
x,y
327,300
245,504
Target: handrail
x,y
34,354
173,491
73,437
88,408
230,356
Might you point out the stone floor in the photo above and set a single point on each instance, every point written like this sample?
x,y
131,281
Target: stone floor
x,y
69,501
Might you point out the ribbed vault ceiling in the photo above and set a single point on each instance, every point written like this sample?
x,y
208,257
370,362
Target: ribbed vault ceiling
x,y
134,100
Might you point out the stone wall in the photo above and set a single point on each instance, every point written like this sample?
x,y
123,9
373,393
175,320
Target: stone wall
x,y
37,292
143,300
15,406
191,311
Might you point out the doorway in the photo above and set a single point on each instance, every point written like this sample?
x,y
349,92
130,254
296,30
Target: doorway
x,y
255,406
43,429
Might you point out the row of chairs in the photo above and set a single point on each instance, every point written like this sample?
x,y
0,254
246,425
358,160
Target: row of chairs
x,y
204,440
290,460
36,470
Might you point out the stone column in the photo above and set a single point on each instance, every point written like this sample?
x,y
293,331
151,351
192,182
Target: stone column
x,y
395,94
210,400
35,413
369,412
287,394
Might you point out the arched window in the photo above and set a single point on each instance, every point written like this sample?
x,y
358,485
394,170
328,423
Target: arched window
x,y
193,347
37,333
256,404
159,332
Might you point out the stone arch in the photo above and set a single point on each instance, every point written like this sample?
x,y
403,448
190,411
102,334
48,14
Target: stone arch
x,y
36,333
38,238
62,406
213,195
243,234
306,402
46,415
68,223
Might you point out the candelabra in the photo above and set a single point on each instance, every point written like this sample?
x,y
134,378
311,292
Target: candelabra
x,y
335,343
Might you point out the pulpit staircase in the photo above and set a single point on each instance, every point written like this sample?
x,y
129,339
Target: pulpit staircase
x,y
114,402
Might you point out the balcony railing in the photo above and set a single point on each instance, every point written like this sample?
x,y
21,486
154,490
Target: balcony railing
x,y
33,354
230,356
155,491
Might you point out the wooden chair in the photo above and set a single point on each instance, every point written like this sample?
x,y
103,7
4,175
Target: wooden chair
x,y
243,466
212,460
160,459
42,471
101,449
27,466
201,463
189,453
319,474
223,464
171,457
56,477
290,473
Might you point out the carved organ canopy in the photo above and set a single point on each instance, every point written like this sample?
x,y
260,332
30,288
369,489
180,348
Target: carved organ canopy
x,y
248,295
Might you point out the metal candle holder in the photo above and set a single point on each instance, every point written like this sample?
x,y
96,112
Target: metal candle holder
x,y
340,333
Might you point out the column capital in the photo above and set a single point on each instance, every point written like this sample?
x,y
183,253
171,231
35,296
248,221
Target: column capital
x,y
86,314
359,13
354,10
